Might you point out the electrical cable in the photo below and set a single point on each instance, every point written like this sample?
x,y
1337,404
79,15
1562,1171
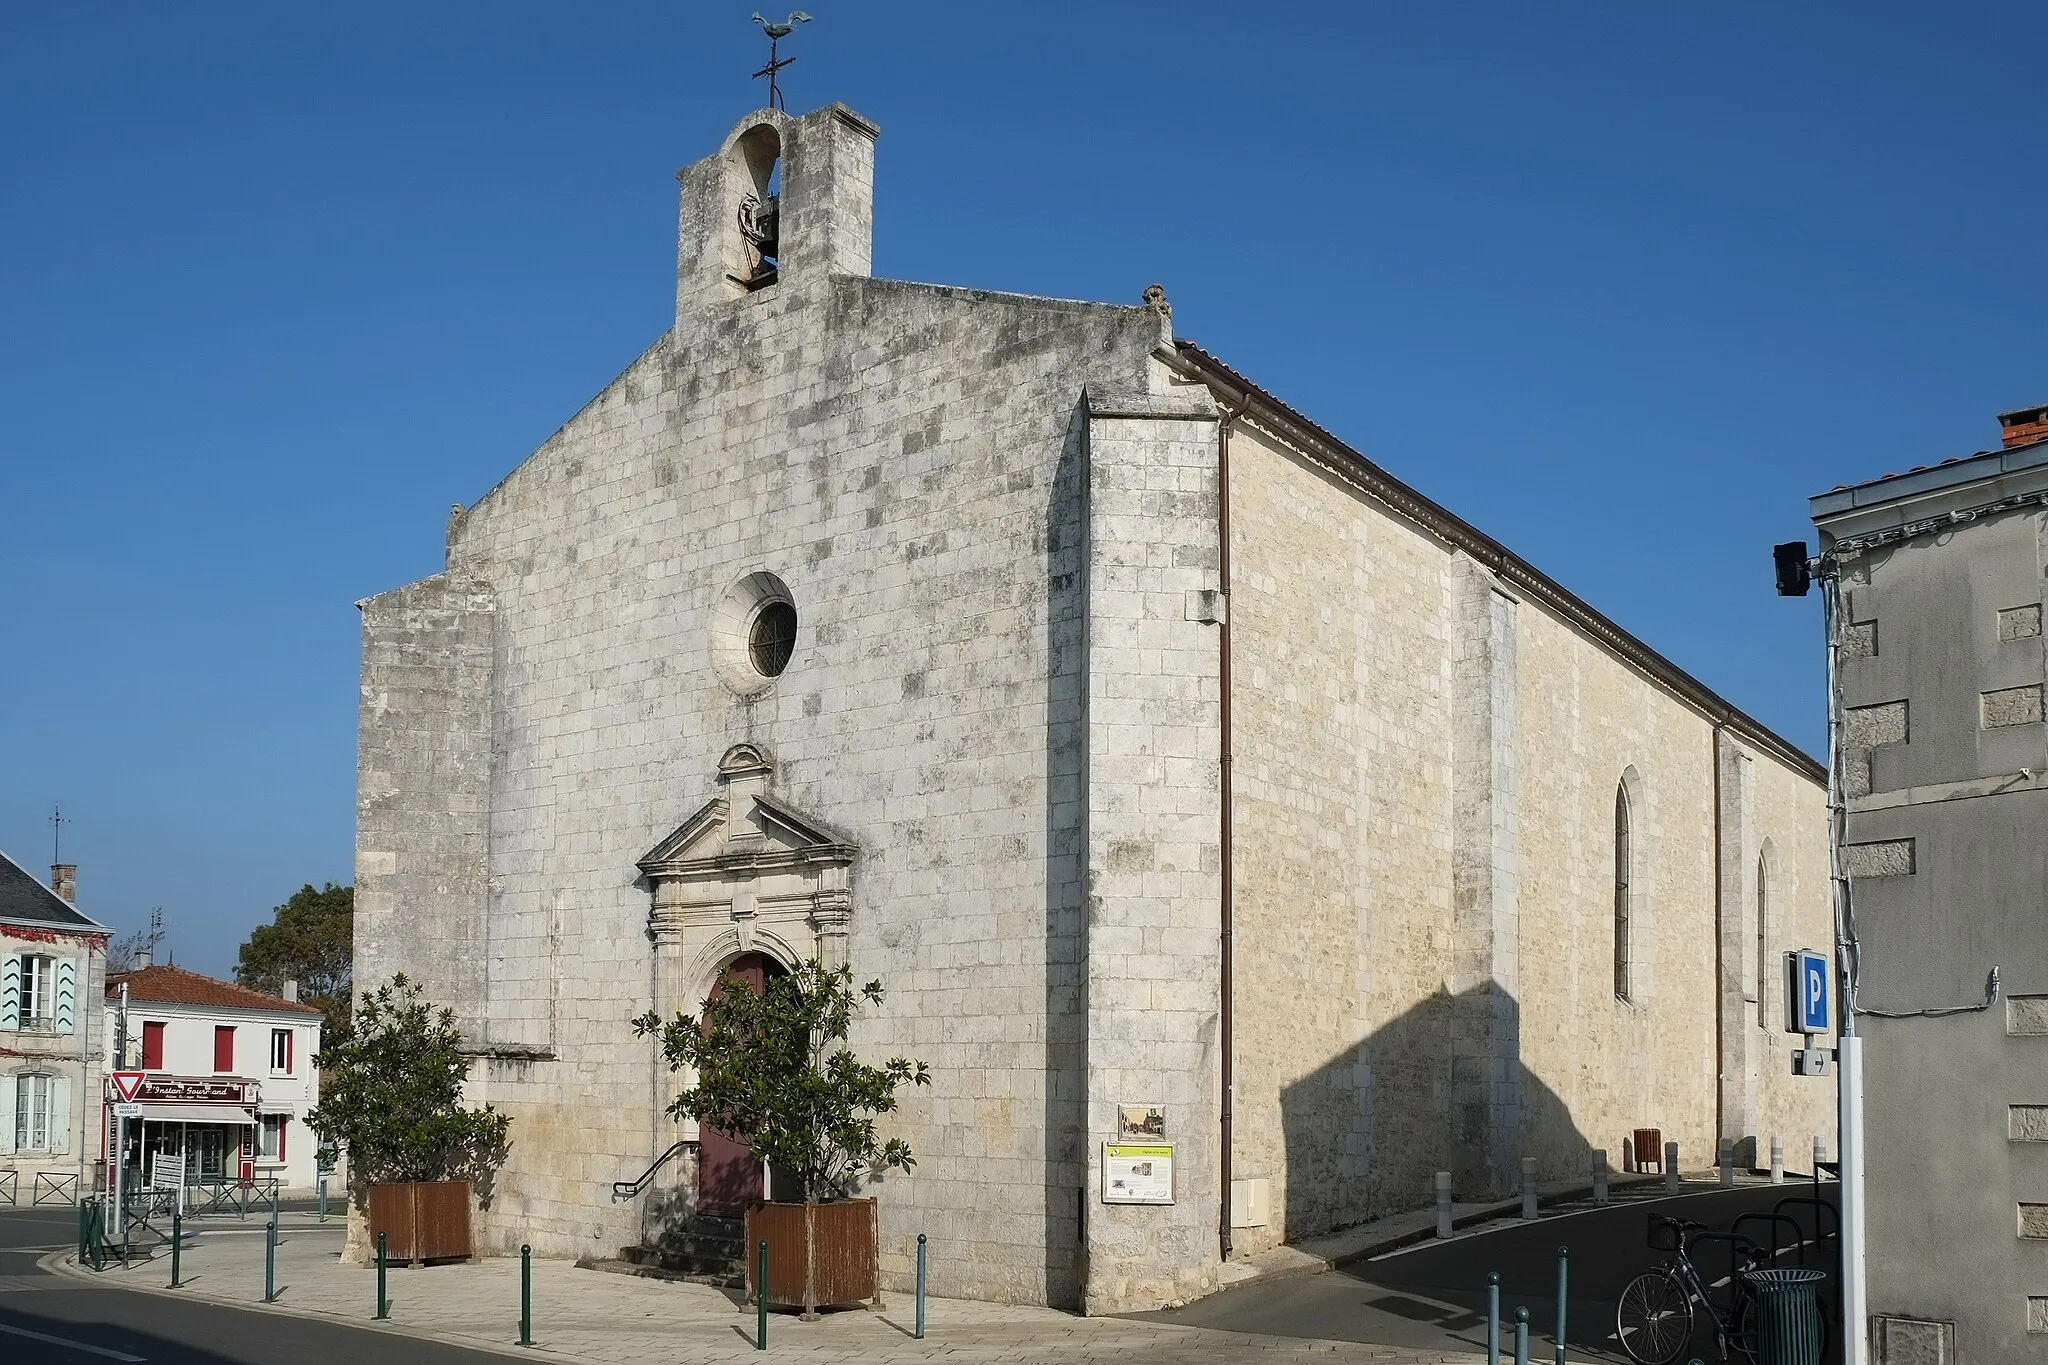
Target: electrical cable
x,y
1848,942
1942,1011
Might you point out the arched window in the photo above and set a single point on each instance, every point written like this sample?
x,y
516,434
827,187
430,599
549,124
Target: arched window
x,y
1624,875
1763,956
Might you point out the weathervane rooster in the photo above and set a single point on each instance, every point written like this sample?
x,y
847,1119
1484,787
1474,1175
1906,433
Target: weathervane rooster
x,y
776,33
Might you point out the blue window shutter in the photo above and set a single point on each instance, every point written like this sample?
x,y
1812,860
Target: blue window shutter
x,y
60,1115
67,994
10,996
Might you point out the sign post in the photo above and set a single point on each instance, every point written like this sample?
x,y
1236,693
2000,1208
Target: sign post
x,y
126,1085
1809,980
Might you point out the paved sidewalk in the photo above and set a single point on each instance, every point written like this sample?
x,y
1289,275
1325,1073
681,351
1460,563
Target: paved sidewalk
x,y
592,1316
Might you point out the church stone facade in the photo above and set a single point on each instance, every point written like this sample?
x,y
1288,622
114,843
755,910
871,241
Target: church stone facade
x,y
1153,747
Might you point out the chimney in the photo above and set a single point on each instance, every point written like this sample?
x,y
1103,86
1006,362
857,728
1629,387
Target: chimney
x,y
2024,426
64,881
291,991
143,958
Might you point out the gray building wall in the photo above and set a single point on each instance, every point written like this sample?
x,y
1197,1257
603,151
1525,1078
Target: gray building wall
x,y
1947,773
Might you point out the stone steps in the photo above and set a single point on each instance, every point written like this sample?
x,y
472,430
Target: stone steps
x,y
706,1251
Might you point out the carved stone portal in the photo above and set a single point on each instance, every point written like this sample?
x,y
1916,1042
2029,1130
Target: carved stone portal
x,y
744,874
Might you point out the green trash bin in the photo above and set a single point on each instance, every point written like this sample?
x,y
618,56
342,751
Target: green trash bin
x,y
1788,1315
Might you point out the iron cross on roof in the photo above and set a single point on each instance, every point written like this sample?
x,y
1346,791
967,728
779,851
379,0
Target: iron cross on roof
x,y
776,33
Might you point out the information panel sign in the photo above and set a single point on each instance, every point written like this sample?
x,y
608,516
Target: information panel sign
x,y
1809,977
1137,1173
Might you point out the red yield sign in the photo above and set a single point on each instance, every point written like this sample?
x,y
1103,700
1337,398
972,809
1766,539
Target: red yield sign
x,y
127,1084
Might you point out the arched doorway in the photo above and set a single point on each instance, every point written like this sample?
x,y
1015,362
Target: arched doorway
x,y
728,1173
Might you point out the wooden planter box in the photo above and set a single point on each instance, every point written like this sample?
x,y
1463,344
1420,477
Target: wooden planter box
x,y
819,1255
424,1220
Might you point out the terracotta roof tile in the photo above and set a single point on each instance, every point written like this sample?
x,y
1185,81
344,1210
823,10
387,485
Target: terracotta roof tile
x,y
176,986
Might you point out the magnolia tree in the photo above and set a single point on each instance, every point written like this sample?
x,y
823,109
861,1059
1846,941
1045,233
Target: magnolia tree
x,y
772,1071
391,1096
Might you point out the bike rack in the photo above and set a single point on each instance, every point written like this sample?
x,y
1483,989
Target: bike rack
x,y
1821,1235
1799,1240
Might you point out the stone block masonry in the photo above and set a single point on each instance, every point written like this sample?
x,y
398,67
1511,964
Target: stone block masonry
x,y
989,773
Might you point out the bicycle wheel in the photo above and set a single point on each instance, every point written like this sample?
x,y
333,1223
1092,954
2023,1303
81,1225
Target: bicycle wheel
x,y
1745,1330
1654,1318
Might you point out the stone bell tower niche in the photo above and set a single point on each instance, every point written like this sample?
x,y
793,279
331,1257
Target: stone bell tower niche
x,y
783,202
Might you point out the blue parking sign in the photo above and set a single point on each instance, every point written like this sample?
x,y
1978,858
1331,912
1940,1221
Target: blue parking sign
x,y
1808,978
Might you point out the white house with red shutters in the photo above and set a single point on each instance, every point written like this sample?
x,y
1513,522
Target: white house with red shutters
x,y
228,1079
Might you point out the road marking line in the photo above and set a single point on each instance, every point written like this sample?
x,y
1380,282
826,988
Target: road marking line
x,y
74,1345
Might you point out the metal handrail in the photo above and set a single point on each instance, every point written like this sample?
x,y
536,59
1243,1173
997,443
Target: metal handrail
x,y
628,1189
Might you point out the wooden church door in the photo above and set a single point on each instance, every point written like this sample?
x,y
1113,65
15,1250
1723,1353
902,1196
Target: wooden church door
x,y
728,1174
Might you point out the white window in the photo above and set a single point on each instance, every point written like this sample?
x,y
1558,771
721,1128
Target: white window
x,y
271,1141
280,1052
38,991
32,1113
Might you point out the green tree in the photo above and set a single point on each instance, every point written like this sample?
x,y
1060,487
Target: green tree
x,y
311,940
771,1072
391,1094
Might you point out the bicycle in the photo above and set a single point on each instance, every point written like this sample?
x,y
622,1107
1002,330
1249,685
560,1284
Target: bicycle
x,y
1654,1319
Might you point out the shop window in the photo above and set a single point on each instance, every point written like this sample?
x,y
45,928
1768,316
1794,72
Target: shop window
x,y
152,1047
280,1052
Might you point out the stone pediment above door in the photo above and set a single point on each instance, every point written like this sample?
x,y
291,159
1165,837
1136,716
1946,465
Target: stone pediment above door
x,y
747,860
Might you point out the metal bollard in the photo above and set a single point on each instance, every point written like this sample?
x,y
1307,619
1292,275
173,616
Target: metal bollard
x,y
526,1294
177,1242
920,1286
270,1262
273,1201
1820,1154
1521,1336
1493,1318
242,1192
1563,1262
323,1198
1671,1168
1443,1203
761,1302
1777,1160
1528,1187
1599,1175
1727,1163
383,1300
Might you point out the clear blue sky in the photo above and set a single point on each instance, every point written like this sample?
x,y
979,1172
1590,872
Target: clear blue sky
x,y
1621,283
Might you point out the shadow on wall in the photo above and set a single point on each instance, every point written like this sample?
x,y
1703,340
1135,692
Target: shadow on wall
x,y
1066,1006
1442,1087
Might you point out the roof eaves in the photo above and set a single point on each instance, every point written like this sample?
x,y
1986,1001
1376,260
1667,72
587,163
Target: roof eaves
x,y
1447,525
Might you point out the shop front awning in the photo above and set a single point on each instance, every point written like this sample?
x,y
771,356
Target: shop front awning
x,y
197,1113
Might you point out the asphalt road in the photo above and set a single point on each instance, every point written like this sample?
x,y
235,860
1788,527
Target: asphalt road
x,y
55,1320
1433,1295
